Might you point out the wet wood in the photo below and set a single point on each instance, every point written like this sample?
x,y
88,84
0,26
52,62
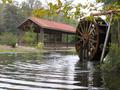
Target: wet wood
x,y
90,36
105,12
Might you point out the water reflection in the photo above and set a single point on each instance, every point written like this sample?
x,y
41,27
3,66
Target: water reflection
x,y
48,71
89,74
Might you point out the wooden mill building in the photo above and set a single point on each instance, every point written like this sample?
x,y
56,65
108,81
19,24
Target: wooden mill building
x,y
51,33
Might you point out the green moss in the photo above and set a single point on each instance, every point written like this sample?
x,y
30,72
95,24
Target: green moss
x,y
89,18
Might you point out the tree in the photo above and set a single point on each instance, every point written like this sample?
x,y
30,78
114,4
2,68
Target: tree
x,y
12,17
7,1
29,6
33,4
60,12
110,4
2,27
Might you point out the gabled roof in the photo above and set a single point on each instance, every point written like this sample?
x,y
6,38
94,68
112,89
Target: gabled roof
x,y
52,25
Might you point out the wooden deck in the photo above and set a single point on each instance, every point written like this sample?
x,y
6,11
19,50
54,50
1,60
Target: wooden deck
x,y
58,45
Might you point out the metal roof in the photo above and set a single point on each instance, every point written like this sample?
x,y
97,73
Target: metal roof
x,y
51,25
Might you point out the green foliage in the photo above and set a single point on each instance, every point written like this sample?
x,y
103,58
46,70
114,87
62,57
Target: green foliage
x,y
7,1
110,4
111,69
112,80
10,18
89,18
40,12
111,66
112,62
40,45
60,12
29,38
71,39
29,6
8,39
77,13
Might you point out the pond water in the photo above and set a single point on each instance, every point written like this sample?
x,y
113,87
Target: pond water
x,y
48,71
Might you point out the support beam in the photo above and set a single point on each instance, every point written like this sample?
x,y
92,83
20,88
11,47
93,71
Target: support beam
x,y
20,35
41,35
105,12
118,32
37,37
55,41
106,38
67,40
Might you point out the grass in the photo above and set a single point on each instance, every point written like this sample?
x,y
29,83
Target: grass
x,y
18,49
24,49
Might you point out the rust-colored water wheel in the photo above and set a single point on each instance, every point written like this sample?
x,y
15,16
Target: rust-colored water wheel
x,y
90,35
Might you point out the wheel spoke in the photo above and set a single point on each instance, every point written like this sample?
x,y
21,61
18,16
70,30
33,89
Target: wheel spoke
x,y
89,27
79,37
92,40
91,31
79,41
86,24
87,36
79,32
92,46
82,30
93,37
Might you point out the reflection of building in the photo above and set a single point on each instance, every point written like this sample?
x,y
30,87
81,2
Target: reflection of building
x,y
49,32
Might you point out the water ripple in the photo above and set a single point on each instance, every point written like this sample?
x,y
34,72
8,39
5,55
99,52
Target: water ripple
x,y
49,72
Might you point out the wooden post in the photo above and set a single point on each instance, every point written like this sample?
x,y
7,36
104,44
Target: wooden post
x,y
20,35
105,13
55,40
67,40
118,32
62,39
106,38
41,35
37,37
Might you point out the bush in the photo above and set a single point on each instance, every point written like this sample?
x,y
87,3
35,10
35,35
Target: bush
x,y
8,39
112,62
40,45
111,69
29,38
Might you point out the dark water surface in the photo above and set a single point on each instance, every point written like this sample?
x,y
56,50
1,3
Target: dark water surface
x,y
48,71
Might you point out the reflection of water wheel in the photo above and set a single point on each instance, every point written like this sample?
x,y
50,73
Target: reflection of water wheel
x,y
90,36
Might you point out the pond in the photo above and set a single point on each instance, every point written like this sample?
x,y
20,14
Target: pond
x,y
48,71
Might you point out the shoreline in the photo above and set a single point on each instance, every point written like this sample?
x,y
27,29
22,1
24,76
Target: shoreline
x,y
5,49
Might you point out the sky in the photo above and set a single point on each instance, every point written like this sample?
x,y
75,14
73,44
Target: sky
x,y
75,1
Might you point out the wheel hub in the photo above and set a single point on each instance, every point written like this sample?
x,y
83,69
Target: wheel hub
x,y
86,37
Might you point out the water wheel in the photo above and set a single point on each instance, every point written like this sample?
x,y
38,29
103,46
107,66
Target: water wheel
x,y
90,36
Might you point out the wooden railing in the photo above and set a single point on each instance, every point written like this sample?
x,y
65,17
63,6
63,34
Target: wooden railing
x,y
53,44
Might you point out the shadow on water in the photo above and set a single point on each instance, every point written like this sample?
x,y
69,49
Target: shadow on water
x,y
48,71
89,75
